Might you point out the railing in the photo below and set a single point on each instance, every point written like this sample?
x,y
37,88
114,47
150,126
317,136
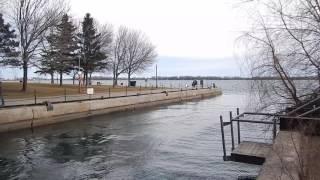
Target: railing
x,y
36,100
240,118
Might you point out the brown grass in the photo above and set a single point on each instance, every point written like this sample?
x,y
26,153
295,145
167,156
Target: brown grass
x,y
13,90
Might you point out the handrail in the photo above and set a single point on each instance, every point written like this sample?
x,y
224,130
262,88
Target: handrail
x,y
253,121
304,105
274,122
308,112
300,117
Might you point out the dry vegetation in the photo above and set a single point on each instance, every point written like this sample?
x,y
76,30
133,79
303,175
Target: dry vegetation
x,y
13,90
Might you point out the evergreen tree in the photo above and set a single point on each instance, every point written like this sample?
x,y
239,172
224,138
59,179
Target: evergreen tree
x,y
92,57
66,45
62,48
48,60
7,43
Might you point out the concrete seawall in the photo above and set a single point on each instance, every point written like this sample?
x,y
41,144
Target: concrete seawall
x,y
33,116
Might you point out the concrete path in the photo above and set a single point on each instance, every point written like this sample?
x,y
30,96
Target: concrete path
x,y
283,160
28,101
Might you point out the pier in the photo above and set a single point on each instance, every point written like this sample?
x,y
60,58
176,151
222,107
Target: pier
x,y
251,152
293,152
33,115
247,151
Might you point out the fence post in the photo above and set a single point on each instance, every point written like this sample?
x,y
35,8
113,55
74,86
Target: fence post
x,y
231,126
223,142
238,124
35,96
109,92
65,95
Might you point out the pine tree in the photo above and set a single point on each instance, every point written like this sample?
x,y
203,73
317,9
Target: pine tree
x,y
7,43
48,60
66,45
60,55
59,51
92,57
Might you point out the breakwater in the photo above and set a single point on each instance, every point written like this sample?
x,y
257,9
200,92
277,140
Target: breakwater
x,y
16,118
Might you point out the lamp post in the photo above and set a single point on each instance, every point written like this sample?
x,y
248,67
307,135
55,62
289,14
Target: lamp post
x,y
79,73
1,97
156,76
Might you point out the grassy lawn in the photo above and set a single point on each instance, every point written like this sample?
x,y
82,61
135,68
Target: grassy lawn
x,y
13,90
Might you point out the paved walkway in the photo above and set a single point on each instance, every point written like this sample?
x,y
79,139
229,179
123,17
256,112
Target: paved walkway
x,y
28,101
294,156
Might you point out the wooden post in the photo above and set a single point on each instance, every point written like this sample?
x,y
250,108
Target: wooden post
x,y
238,124
35,96
223,142
65,95
232,137
109,92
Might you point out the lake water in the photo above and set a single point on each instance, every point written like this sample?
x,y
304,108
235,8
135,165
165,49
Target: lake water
x,y
178,141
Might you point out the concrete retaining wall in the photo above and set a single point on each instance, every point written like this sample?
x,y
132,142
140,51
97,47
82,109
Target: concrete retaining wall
x,y
26,117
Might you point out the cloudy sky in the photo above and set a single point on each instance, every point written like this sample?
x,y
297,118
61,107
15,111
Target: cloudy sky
x,y
197,36
193,37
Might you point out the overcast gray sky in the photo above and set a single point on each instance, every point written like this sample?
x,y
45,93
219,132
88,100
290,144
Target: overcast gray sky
x,y
199,32
202,32
184,28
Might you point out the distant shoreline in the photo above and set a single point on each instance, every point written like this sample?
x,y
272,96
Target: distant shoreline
x,y
185,78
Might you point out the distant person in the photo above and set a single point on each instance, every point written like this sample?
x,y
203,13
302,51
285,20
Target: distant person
x,y
194,83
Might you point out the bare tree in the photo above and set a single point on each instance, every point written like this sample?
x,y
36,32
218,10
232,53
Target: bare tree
x,y
284,44
32,19
141,53
133,53
106,38
119,53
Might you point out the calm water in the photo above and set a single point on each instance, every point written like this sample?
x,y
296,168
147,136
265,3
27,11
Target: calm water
x,y
179,141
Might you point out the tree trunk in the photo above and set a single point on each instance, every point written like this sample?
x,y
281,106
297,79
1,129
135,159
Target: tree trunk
x,y
114,83
61,78
90,74
52,78
115,79
129,79
73,78
25,75
86,78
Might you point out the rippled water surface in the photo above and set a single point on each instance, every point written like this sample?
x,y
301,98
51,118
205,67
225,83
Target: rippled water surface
x,y
178,141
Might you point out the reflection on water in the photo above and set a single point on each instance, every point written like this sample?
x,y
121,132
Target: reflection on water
x,y
180,141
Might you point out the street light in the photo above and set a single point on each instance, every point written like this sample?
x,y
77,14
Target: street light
x,y
156,76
